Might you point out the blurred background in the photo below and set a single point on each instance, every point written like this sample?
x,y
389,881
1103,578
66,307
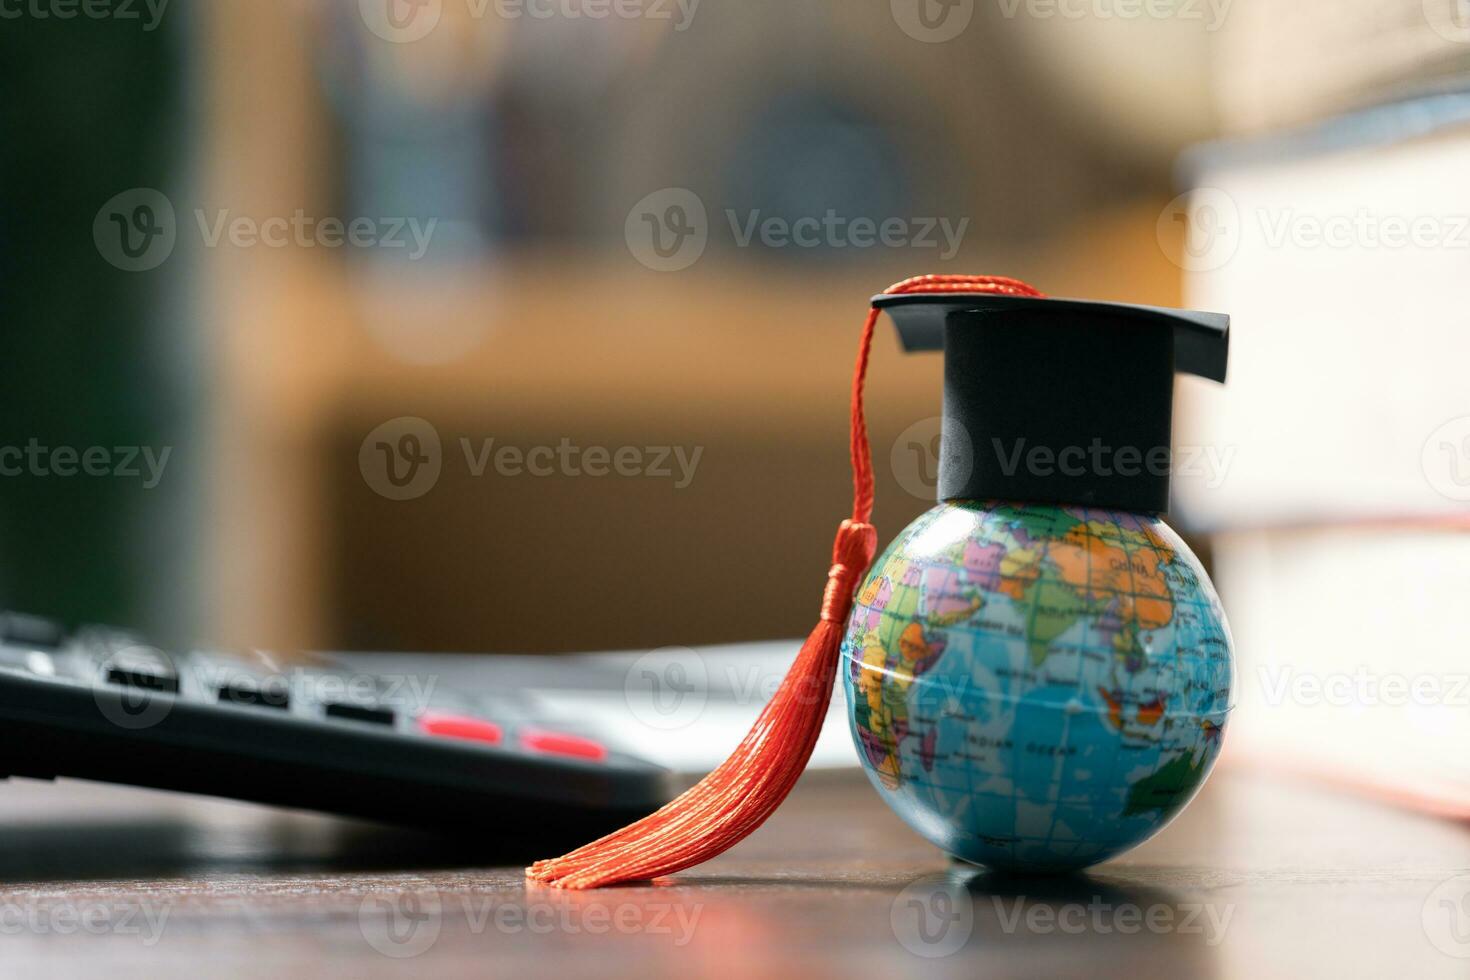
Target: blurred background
x,y
526,325
516,140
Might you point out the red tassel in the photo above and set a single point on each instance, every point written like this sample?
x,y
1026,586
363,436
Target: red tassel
x,y
730,803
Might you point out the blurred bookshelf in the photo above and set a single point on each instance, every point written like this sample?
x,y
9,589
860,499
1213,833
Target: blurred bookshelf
x,y
752,365
534,339
1281,65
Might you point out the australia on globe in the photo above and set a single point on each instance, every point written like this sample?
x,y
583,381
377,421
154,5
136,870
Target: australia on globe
x,y
1034,687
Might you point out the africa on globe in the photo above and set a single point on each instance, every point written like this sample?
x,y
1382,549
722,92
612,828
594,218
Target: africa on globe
x,y
1037,688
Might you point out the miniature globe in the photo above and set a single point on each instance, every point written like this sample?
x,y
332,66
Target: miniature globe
x,y
1037,688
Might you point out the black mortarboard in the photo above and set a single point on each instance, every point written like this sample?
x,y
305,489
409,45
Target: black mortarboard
x,y
1058,401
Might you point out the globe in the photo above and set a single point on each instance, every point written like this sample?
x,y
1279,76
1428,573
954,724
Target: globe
x,y
1037,688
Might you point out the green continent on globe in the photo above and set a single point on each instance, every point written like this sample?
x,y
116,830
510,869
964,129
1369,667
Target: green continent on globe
x,y
1167,789
1049,681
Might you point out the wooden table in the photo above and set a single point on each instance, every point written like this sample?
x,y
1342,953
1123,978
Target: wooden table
x,y
1258,879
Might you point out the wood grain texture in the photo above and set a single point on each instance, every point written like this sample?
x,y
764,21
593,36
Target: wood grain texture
x,y
1258,879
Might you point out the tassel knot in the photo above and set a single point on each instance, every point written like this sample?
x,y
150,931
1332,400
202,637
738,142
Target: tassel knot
x,y
852,553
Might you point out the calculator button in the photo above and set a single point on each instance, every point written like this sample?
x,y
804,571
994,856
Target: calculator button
x,y
248,693
560,743
20,630
372,713
461,726
144,668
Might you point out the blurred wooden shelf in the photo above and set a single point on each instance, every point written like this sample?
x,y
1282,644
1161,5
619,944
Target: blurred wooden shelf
x,y
749,358
746,359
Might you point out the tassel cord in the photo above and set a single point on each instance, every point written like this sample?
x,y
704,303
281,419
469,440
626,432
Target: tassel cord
x,y
736,798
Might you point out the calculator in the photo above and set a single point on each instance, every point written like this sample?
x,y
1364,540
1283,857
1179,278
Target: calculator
x,y
316,733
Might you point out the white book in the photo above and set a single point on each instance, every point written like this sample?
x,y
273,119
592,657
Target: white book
x,y
1353,657
1347,274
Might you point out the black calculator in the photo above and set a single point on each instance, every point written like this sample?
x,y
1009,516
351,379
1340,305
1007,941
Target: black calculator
x,y
314,733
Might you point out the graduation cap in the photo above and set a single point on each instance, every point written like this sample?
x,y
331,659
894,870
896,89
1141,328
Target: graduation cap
x,y
1046,401
1058,401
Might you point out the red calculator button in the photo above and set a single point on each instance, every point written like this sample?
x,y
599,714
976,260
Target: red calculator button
x,y
560,743
461,726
